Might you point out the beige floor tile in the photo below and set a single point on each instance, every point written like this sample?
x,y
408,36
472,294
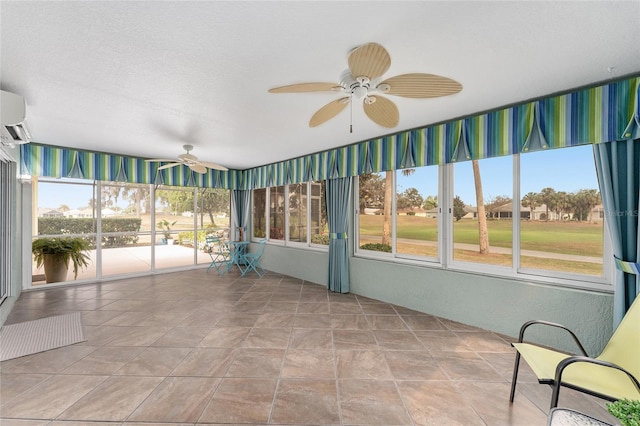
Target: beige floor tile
x,y
103,361
349,322
225,337
386,322
51,397
241,401
49,362
371,402
153,361
362,364
253,362
112,400
189,347
437,403
397,340
309,338
306,401
485,399
414,365
206,362
267,338
354,339
309,364
182,337
12,385
176,399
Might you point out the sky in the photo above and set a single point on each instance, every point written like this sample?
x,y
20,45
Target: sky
x,y
566,169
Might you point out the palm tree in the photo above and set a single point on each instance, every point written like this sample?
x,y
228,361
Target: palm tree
x,y
483,231
530,200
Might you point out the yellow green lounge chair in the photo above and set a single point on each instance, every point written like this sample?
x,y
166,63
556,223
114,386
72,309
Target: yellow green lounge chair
x,y
613,375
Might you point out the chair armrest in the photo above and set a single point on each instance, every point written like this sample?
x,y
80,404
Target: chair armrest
x,y
573,359
551,324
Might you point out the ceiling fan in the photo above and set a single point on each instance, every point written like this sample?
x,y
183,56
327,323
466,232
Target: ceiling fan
x,y
188,160
367,63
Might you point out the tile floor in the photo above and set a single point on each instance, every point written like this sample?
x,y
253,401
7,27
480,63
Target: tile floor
x,y
194,348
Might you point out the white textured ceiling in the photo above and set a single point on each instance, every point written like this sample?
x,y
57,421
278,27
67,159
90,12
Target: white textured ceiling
x,y
144,78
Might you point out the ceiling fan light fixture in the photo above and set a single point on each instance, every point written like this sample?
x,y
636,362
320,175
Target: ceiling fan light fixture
x,y
360,92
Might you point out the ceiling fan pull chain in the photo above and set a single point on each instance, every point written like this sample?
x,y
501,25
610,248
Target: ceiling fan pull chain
x,y
351,113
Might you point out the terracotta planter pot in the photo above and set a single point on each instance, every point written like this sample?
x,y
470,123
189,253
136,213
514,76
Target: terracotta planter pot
x,y
55,271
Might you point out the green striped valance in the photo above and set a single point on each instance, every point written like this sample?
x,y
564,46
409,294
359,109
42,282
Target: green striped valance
x,y
51,161
594,115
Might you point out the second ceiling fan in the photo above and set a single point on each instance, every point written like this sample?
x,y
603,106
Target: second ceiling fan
x,y
367,63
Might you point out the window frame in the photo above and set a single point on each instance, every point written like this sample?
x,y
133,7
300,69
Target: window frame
x,y
285,242
445,242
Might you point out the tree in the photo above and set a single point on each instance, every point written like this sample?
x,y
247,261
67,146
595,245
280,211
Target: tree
x,y
549,198
211,201
388,193
530,200
583,202
63,208
483,231
494,204
371,191
562,204
410,198
458,208
431,202
139,194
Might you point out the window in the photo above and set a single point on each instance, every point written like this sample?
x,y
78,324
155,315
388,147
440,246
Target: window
x,y
140,227
125,223
374,215
554,231
482,226
305,221
417,212
276,213
65,208
259,213
561,221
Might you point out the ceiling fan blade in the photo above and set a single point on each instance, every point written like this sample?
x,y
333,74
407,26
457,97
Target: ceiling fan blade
x,y
198,168
166,166
382,111
369,60
306,87
328,111
419,85
213,165
156,160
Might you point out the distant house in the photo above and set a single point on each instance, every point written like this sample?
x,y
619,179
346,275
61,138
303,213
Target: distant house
x,y
419,211
51,213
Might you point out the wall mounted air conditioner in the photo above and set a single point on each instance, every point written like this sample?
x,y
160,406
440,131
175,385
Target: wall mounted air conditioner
x,y
12,114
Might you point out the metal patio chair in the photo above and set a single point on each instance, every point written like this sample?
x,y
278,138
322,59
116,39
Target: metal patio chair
x,y
612,376
253,259
219,252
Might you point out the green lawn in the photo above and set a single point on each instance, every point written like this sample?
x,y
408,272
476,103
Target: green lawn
x,y
574,238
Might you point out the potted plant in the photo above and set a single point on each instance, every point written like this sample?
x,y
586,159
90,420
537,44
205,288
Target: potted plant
x,y
627,411
55,254
165,228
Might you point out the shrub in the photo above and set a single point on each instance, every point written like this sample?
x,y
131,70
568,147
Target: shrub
x,y
87,225
320,239
627,411
376,247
